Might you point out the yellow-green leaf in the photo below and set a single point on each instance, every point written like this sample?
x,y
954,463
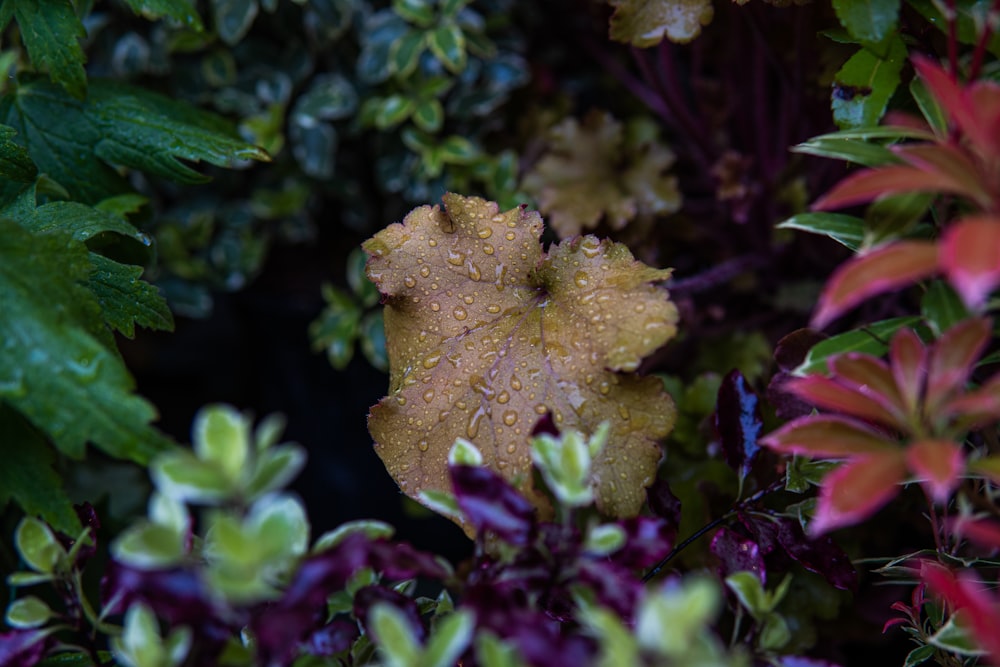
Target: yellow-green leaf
x,y
646,22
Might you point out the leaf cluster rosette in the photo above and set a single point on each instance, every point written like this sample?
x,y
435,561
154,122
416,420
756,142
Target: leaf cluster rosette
x,y
486,332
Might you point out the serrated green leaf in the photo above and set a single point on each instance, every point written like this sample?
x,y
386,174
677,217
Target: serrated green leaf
x,y
870,340
447,43
182,11
75,143
451,637
28,612
867,20
404,54
233,18
15,163
83,222
125,299
27,476
51,32
865,83
65,381
847,230
123,205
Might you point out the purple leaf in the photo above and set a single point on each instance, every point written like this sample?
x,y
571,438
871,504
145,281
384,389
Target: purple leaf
x,y
545,426
399,560
820,554
791,350
490,503
738,554
647,540
663,503
368,596
331,639
738,422
613,586
22,648
787,406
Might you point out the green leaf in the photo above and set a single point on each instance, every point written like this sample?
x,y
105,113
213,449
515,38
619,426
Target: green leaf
x,y
233,18
276,467
51,32
919,655
954,637
149,545
867,20
450,639
404,54
457,150
750,592
330,97
870,340
429,115
336,327
125,299
27,476
77,143
420,12
929,106
371,331
942,307
604,539
802,473
182,11
69,384
221,435
494,652
28,612
182,476
392,111
865,83
447,43
857,151
394,636
371,528
38,547
363,288
15,163
847,230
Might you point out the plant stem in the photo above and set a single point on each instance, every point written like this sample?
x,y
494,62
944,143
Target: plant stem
x,y
992,14
736,509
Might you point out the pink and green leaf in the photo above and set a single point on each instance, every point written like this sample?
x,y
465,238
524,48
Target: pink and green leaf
x,y
984,532
938,465
952,358
888,268
908,360
988,467
873,184
956,171
962,593
829,436
978,407
872,376
857,489
970,258
847,398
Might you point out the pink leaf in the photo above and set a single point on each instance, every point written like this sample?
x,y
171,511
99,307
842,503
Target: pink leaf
x,y
908,359
881,182
978,407
887,268
948,94
952,358
984,532
970,257
828,436
857,489
843,396
938,465
956,171
982,610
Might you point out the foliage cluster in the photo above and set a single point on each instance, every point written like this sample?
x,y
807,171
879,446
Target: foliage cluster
x,y
630,503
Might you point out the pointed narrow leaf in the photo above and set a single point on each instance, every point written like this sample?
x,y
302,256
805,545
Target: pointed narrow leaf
x,y
958,173
870,376
938,465
983,610
846,230
857,489
952,98
873,184
970,258
51,31
844,398
882,270
952,359
978,407
450,639
908,357
941,306
827,436
871,339
738,422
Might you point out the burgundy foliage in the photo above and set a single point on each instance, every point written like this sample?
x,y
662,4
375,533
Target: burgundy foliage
x,y
491,504
738,422
738,554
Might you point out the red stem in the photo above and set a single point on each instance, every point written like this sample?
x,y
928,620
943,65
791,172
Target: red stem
x,y
992,14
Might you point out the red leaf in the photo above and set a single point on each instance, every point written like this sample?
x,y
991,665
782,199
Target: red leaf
x,y
871,376
956,171
983,532
970,257
873,184
947,92
857,489
908,359
828,436
978,407
887,268
846,397
938,465
983,612
952,358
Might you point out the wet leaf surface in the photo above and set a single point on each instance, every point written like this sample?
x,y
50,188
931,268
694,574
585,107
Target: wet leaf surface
x,y
486,333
